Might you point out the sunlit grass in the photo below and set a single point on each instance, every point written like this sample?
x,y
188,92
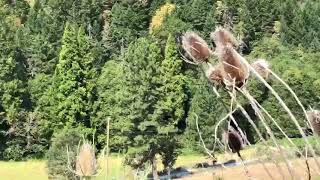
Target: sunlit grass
x,y
29,170
36,170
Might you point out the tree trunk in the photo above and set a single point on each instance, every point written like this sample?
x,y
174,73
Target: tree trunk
x,y
154,169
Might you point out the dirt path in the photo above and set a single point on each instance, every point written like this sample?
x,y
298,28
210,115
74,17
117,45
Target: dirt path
x,y
257,171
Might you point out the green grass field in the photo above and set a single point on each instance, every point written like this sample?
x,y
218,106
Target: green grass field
x,y
30,170
36,169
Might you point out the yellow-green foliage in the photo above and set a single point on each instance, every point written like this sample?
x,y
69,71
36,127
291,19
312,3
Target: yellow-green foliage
x,y
14,21
161,13
31,2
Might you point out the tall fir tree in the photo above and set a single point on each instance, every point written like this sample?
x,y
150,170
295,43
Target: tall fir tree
x,y
143,59
129,21
73,88
170,107
112,90
155,102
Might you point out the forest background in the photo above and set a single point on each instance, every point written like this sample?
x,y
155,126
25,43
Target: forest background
x,y
69,66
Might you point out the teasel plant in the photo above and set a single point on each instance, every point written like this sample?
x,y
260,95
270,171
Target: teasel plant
x,y
86,165
314,118
232,71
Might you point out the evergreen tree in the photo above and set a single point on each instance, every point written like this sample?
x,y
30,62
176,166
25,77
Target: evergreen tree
x,y
207,108
196,12
129,21
171,104
45,26
299,23
156,102
73,86
143,60
112,94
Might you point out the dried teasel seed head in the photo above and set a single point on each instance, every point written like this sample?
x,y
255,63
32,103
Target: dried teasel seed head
x,y
86,163
314,118
195,47
235,142
261,66
215,74
222,37
236,72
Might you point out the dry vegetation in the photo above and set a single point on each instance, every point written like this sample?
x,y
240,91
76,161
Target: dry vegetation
x,y
255,170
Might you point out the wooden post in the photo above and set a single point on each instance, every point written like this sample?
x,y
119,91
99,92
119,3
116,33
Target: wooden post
x,y
154,168
107,159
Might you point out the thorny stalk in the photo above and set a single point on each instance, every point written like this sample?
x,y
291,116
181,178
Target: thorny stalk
x,y
285,107
277,125
200,136
297,99
238,105
260,116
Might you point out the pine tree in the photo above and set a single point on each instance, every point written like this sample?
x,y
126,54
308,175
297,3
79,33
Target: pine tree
x,y
14,102
142,60
205,108
155,102
73,82
129,21
196,13
299,23
45,26
112,90
170,107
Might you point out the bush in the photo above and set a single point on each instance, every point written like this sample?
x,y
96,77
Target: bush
x,y
57,155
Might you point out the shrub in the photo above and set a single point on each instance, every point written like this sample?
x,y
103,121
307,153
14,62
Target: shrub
x,y
57,155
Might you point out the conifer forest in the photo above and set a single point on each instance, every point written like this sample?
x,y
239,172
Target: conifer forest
x,y
153,80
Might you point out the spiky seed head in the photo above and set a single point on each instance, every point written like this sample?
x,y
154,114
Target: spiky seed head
x,y
215,74
314,118
236,71
222,37
261,66
195,47
235,142
86,163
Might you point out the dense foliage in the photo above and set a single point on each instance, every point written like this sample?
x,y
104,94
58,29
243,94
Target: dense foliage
x,y
74,64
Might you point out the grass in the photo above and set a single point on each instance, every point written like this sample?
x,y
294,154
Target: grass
x,y
29,170
36,170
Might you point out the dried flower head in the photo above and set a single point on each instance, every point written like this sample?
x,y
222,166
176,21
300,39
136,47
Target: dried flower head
x,y
195,47
215,74
86,164
236,72
235,142
261,66
314,118
222,37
